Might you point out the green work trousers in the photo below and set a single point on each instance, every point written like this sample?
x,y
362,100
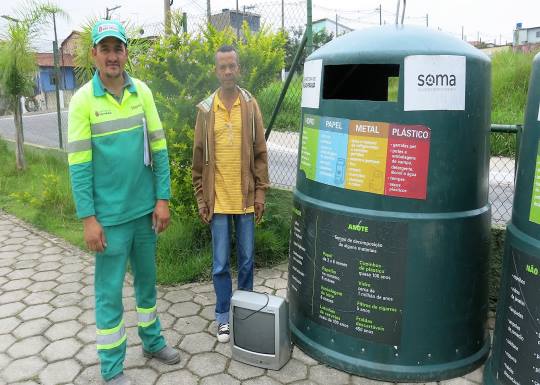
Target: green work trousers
x,y
133,242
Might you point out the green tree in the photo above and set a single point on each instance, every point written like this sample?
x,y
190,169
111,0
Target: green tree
x,y
294,37
18,64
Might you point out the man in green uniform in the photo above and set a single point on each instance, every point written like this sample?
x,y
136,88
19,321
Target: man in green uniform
x,y
119,169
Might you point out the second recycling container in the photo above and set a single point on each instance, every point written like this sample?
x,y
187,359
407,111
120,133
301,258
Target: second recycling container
x,y
388,257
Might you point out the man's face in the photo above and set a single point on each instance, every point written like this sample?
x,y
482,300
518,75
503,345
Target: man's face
x,y
227,69
110,56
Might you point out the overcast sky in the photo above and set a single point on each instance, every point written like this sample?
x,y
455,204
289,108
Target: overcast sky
x,y
491,20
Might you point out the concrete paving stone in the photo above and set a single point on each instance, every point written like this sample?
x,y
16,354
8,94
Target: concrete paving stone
x,y
133,335
223,349
281,293
263,289
128,291
130,317
8,262
268,273
282,267
36,311
163,305
16,284
61,330
21,233
32,328
3,280
87,303
305,382
134,357
71,287
294,370
142,376
276,283
14,241
4,361
190,325
181,377
203,288
6,340
129,303
8,256
221,379
8,248
31,250
87,334
71,268
476,376
205,364
42,286
88,355
60,372
263,380
184,309
68,299
88,317
457,381
23,369
328,376
177,296
208,312
27,347
26,383
198,343
172,337
300,355
89,270
51,250
71,277
355,380
87,290
20,273
205,299
33,241
10,309
166,320
42,276
8,324
89,376
65,314
61,350
243,371
51,258
5,270
39,297
48,266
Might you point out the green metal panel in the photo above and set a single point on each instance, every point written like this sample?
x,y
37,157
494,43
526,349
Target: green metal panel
x,y
516,349
388,277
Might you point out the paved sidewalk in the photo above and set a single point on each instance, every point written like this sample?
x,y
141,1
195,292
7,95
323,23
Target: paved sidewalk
x,y
47,324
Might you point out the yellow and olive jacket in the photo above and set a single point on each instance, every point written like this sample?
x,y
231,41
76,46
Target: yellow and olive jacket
x,y
106,153
253,154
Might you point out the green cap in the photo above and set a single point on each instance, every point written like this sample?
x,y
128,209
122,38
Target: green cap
x,y
106,28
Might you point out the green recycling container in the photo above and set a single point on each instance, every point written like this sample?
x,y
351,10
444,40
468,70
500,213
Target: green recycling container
x,y
515,356
388,256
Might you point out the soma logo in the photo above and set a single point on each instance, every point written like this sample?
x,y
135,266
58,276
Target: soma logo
x,y
436,80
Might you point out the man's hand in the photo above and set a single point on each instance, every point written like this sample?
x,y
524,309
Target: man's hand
x,y
259,211
94,235
203,214
161,216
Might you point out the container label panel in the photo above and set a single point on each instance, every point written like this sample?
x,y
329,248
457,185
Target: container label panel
x,y
534,215
375,157
348,273
311,84
434,82
520,337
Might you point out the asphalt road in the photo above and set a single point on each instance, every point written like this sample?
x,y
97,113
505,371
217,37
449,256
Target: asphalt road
x,y
42,130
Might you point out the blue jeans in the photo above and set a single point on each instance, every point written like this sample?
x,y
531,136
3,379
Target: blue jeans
x,y
221,227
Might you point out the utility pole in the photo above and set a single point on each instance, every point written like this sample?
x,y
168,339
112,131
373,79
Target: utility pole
x,y
237,22
184,22
336,24
283,15
208,12
309,28
57,83
462,33
380,14
248,7
427,20
108,11
167,16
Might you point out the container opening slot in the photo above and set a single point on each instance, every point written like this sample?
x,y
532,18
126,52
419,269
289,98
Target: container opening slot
x,y
377,82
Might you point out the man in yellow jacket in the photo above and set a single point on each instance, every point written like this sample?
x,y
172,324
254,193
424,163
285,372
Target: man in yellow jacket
x,y
119,170
230,178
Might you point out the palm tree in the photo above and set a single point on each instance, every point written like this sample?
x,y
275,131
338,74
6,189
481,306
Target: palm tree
x,y
18,65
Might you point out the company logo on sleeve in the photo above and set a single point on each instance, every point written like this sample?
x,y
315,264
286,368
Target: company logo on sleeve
x,y
434,82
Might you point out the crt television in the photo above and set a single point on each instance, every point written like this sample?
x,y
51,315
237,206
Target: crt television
x,y
260,333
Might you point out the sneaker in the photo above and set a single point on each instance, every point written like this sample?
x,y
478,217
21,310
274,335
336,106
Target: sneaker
x,y
167,355
223,333
120,379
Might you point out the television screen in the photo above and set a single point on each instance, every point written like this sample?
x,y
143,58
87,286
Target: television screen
x,y
248,323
